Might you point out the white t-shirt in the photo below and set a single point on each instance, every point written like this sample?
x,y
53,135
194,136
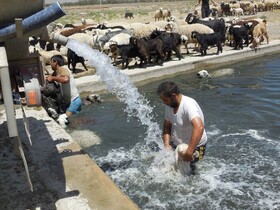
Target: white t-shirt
x,y
181,121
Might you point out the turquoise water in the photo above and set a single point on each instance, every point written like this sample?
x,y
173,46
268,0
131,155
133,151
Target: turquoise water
x,y
241,167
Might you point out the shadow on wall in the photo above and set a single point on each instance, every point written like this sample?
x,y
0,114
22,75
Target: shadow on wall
x,y
45,168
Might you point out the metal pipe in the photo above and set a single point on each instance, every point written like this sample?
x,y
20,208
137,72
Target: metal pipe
x,y
11,9
57,38
7,93
35,21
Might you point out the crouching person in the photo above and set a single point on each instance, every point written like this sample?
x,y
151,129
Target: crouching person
x,y
70,94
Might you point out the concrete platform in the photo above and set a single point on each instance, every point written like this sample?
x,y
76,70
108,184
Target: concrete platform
x,y
63,175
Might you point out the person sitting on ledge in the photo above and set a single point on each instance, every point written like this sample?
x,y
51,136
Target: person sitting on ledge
x,y
64,77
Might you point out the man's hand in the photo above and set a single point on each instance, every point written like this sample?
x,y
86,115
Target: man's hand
x,y
187,156
49,78
168,147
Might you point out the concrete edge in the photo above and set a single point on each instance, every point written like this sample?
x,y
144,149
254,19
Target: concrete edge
x,y
62,166
94,185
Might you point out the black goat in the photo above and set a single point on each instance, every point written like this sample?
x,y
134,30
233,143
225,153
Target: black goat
x,y
73,59
218,25
240,33
125,52
225,9
143,49
150,49
156,49
49,46
250,24
69,25
171,42
128,15
206,40
33,41
42,43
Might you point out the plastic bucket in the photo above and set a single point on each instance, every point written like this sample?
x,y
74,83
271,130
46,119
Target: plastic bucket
x,y
32,92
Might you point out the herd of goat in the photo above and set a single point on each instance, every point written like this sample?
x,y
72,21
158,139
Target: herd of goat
x,y
155,42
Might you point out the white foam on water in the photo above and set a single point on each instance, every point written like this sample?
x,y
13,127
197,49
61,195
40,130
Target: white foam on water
x,y
219,184
221,72
255,134
213,131
85,138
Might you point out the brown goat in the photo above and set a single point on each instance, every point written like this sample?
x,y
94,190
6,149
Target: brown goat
x,y
259,33
77,29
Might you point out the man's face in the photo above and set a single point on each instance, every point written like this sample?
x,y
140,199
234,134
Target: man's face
x,y
53,65
170,101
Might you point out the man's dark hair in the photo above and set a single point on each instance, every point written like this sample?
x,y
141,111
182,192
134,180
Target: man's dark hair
x,y
167,89
59,59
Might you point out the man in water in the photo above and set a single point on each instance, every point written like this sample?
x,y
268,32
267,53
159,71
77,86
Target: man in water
x,y
205,8
183,122
69,90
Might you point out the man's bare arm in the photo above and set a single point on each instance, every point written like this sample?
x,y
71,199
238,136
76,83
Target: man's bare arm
x,y
167,133
60,79
198,128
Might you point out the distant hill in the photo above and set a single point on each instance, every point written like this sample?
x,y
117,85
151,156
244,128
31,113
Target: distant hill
x,y
60,1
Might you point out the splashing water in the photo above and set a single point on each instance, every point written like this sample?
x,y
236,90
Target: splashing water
x,y
120,85
133,163
241,166
140,161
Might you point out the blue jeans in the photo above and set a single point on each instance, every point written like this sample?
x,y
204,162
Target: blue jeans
x,y
75,105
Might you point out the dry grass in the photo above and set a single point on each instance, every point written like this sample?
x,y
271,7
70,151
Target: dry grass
x,y
142,11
